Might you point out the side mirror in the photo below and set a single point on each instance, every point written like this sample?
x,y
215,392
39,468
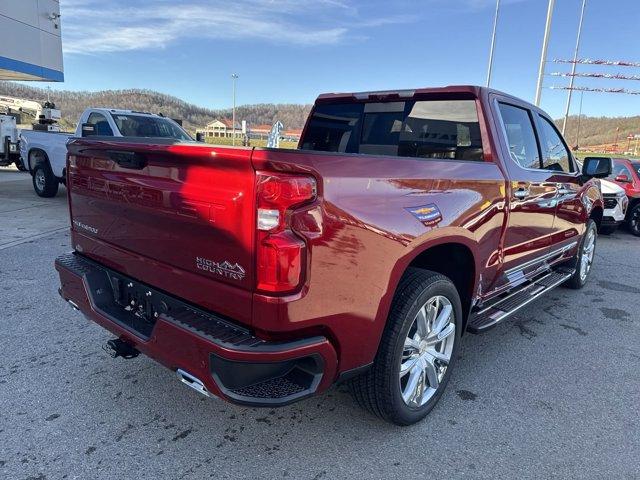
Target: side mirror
x,y
199,137
596,167
622,178
88,129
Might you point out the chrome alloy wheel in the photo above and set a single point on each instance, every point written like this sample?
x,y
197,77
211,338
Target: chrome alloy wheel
x,y
427,351
40,179
588,251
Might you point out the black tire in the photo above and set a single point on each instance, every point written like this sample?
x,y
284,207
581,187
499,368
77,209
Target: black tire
x,y
634,220
607,230
379,389
44,181
576,281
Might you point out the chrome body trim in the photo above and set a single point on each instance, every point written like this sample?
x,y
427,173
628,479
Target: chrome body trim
x,y
542,258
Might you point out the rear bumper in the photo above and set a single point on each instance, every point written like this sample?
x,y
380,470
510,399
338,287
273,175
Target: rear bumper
x,y
230,362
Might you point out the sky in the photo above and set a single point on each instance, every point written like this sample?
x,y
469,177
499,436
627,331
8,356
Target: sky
x,y
289,51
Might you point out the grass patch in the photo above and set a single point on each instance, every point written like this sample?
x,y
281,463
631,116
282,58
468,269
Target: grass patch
x,y
254,143
581,155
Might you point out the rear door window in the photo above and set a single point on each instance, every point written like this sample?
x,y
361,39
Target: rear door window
x,y
521,137
446,129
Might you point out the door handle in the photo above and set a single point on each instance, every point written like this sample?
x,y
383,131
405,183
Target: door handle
x,y
521,193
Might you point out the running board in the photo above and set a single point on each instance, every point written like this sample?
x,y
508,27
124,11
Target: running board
x,y
488,317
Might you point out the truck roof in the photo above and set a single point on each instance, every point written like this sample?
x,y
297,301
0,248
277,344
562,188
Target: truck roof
x,y
410,93
122,111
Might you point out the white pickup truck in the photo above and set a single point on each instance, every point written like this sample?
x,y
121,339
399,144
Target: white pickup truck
x,y
44,154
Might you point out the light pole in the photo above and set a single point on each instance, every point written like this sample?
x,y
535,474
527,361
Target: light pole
x,y
579,120
573,69
543,56
493,42
234,77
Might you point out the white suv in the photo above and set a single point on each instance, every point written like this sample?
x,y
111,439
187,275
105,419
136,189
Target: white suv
x,y
615,206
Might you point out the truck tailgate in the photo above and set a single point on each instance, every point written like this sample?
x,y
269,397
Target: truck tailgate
x,y
178,215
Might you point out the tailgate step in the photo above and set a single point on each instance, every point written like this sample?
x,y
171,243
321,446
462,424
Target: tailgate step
x,y
107,289
504,307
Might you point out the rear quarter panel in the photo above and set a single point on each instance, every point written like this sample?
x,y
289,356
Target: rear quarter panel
x,y
54,144
362,237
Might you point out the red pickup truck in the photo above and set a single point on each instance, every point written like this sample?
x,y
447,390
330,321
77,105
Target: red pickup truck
x,y
263,276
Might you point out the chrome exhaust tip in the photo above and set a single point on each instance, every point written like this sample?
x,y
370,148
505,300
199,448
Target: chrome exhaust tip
x,y
193,382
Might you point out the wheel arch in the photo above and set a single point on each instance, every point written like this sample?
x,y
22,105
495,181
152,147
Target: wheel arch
x,y
596,215
36,151
633,201
454,256
456,262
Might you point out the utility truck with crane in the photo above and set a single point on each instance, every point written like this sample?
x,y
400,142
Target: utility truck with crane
x,y
9,149
12,110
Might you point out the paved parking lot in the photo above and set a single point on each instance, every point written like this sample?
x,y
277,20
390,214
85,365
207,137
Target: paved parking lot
x,y
552,393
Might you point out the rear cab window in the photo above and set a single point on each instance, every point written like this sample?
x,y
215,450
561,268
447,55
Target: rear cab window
x,y
100,124
429,129
147,126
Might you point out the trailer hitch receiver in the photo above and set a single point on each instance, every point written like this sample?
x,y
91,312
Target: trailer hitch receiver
x,y
119,348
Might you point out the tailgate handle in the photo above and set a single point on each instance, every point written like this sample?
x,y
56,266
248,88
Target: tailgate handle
x,y
128,159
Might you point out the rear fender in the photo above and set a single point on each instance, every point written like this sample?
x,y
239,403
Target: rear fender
x,y
450,235
36,156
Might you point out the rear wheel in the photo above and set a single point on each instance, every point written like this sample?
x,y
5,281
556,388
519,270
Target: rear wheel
x,y
634,220
584,258
45,183
417,350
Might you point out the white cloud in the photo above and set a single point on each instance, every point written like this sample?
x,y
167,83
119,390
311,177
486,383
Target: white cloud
x,y
95,26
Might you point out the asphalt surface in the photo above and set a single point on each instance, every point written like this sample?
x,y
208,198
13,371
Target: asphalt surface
x,y
553,392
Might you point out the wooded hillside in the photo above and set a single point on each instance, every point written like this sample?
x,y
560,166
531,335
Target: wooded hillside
x,y
593,130
73,103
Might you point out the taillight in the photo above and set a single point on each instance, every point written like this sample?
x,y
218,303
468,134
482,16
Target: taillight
x,y
280,253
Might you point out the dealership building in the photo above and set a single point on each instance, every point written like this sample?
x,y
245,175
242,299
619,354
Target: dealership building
x,y
31,46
